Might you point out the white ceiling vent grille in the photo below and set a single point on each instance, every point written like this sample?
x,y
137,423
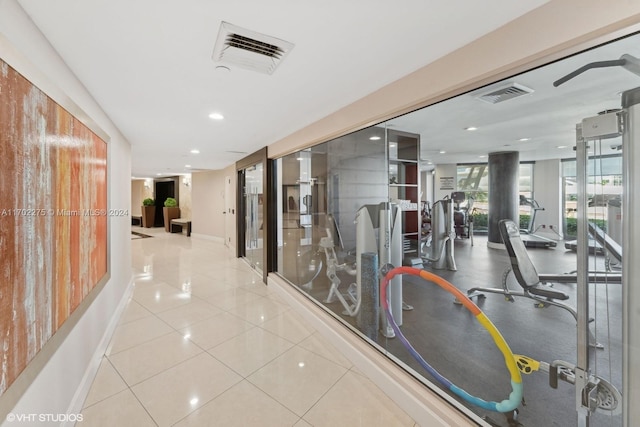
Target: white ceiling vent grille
x,y
505,93
248,49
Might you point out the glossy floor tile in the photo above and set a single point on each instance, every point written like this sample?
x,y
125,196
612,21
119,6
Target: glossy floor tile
x,y
203,342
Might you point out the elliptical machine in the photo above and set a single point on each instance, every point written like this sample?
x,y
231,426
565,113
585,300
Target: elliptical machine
x,y
462,218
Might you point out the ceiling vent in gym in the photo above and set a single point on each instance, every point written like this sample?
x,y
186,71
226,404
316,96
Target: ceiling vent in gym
x,y
505,93
248,49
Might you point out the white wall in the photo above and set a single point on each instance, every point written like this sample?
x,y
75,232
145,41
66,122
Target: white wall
x,y
74,363
445,172
207,192
137,187
185,201
140,190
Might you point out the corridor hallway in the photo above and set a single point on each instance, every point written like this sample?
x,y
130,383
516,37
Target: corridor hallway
x,y
203,342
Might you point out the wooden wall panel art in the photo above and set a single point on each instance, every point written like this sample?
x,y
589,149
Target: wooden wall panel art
x,y
53,219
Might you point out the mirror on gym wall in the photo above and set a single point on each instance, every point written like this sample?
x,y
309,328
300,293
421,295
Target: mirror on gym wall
x,y
496,203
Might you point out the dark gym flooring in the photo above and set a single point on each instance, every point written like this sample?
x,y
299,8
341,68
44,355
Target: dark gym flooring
x,y
454,343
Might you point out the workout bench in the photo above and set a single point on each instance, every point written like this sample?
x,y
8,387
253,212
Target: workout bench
x,y
535,286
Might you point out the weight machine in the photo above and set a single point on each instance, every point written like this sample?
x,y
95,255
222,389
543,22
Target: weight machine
x,y
378,230
593,130
442,236
462,218
592,392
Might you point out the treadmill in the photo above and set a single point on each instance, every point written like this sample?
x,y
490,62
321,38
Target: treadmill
x,y
529,238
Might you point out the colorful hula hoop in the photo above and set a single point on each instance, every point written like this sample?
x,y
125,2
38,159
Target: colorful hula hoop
x,y
515,397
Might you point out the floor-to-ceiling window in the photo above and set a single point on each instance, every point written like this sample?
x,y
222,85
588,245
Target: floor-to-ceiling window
x,y
604,190
473,180
338,201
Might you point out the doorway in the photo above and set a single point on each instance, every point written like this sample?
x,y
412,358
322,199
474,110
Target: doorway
x,y
229,211
251,179
164,188
253,212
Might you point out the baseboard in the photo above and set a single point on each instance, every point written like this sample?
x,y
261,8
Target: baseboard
x,y
425,406
493,245
208,237
87,380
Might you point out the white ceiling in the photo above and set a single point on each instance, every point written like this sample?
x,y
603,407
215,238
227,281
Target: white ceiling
x,y
548,116
148,64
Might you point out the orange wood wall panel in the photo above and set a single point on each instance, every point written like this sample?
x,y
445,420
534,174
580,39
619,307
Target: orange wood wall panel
x,y
53,219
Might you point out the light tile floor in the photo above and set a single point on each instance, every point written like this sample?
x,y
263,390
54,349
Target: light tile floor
x,y
203,342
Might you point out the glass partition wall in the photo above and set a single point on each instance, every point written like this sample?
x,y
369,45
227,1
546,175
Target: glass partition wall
x,y
253,202
320,191
484,338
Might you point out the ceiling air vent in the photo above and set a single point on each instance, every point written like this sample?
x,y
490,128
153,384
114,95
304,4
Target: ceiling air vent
x,y
248,49
505,93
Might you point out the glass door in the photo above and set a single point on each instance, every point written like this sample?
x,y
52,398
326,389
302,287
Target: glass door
x,y
253,200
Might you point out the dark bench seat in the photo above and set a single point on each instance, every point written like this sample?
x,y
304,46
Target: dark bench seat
x,y
179,223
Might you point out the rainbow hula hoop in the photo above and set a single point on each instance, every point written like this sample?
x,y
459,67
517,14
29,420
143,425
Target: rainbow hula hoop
x,y
515,397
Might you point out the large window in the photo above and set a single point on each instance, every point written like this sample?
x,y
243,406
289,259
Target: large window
x,y
604,191
321,190
473,179
341,202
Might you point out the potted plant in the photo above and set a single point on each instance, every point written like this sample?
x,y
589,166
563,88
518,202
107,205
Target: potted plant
x,y
148,212
170,211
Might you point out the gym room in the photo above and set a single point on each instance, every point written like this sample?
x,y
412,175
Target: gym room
x,y
505,198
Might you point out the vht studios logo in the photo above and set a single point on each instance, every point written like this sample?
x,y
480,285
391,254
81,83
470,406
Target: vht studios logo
x,y
54,418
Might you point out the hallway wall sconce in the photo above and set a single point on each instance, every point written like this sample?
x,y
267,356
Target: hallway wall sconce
x,y
186,181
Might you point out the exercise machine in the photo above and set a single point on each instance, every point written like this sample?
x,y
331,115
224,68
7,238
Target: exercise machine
x,y
589,133
350,300
601,242
529,238
603,397
425,232
537,287
462,219
443,235
379,231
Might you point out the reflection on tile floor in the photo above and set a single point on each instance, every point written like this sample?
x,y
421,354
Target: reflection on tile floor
x,y
204,343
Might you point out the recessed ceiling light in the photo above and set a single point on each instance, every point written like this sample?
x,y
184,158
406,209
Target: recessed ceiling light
x,y
158,174
429,162
471,128
195,151
442,152
299,159
374,138
482,156
524,139
216,116
392,145
561,146
187,166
